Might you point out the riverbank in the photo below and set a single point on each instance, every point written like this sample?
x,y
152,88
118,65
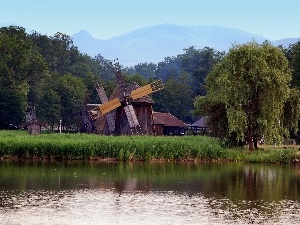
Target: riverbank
x,y
19,144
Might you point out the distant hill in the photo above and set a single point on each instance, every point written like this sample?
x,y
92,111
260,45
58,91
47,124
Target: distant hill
x,y
153,44
285,42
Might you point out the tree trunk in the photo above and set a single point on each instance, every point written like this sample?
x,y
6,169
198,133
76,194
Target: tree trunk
x,y
249,139
255,143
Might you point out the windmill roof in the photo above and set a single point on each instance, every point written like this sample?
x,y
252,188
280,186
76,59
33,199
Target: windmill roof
x,y
167,119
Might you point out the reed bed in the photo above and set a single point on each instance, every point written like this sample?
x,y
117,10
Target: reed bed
x,y
84,146
19,144
270,155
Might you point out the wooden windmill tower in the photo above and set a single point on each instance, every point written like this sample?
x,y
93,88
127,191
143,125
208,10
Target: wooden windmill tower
x,y
32,124
128,111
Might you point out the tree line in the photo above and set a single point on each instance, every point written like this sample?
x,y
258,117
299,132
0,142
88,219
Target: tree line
x,y
52,75
251,90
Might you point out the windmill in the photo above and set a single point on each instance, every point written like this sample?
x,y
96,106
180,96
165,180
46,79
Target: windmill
x,y
86,123
119,107
32,124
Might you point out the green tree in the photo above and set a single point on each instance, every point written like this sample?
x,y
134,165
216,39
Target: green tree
x,y
137,78
292,53
253,83
105,68
171,66
72,92
176,98
11,108
20,65
62,98
217,119
49,108
147,70
198,64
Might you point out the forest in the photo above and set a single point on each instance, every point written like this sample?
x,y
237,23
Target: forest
x,y
52,75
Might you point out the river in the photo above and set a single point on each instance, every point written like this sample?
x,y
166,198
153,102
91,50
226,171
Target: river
x,y
80,192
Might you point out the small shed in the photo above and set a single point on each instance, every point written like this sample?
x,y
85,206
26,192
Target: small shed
x,y
167,124
200,126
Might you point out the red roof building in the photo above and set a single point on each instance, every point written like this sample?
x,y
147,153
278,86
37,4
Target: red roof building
x,y
167,124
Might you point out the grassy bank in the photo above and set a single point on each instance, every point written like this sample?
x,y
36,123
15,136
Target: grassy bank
x,y
84,146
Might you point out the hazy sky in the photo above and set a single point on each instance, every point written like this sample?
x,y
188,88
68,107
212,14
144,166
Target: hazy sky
x,y
272,19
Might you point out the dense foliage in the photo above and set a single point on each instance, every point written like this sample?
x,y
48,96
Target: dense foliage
x,y
252,85
50,74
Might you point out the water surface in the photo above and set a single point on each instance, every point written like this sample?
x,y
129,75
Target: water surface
x,y
148,193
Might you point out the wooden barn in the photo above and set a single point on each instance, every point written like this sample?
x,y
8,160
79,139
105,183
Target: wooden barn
x,y
167,124
200,127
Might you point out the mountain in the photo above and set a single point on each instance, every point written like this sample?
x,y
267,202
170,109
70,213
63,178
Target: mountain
x,y
153,44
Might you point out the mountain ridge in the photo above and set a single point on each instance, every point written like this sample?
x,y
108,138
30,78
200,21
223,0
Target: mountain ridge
x,y
154,43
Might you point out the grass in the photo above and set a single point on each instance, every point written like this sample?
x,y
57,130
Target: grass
x,y
20,144
84,146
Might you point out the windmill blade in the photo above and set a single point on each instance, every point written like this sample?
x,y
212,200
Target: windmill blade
x,y
104,108
99,124
86,122
146,90
109,106
101,93
111,121
109,116
131,117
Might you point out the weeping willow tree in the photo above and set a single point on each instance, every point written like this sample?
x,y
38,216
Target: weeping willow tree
x,y
252,82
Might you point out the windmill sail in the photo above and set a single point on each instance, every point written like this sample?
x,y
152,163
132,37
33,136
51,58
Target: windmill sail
x,y
109,116
146,90
86,122
132,119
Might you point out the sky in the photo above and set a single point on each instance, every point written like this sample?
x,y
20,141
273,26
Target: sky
x,y
103,19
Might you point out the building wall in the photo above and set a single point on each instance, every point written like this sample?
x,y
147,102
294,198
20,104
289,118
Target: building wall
x,y
159,129
144,115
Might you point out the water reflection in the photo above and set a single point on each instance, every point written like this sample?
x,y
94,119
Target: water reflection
x,y
148,193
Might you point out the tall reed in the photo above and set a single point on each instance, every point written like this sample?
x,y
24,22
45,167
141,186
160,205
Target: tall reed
x,y
86,146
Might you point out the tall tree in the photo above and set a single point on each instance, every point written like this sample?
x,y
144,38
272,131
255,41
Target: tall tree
x,y
292,53
20,65
49,108
62,99
253,83
72,92
198,64
171,66
147,70
176,98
